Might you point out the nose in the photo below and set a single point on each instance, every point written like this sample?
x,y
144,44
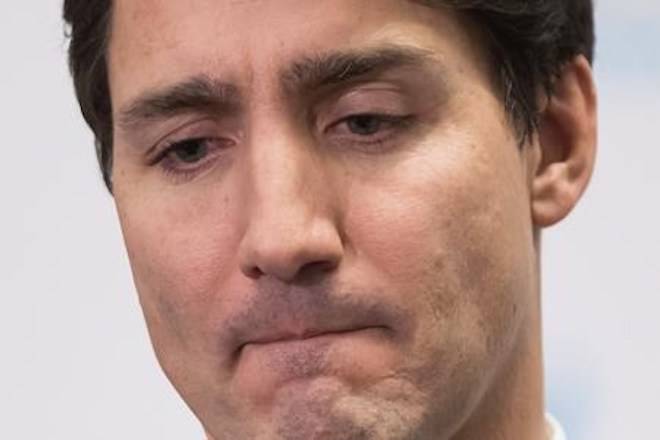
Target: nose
x,y
291,228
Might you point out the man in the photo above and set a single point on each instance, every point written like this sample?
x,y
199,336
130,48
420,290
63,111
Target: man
x,y
333,208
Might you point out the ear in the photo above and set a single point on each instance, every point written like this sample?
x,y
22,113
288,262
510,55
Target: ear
x,y
567,139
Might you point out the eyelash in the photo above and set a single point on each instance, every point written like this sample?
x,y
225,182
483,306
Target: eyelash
x,y
177,169
394,126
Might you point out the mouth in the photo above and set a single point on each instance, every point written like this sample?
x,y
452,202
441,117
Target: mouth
x,y
269,362
270,346
306,335
269,332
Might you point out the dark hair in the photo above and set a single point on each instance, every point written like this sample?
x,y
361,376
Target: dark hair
x,y
529,42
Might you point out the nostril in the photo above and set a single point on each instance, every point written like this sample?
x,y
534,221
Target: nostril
x,y
254,272
320,266
310,252
313,271
288,268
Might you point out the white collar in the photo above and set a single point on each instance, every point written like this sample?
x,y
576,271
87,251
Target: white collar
x,y
555,427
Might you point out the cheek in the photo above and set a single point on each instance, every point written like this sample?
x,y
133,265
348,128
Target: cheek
x,y
450,234
454,239
180,253
464,210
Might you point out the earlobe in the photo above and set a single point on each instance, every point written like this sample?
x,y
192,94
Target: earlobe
x,y
567,139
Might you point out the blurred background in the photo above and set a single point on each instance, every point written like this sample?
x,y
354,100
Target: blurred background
x,y
75,360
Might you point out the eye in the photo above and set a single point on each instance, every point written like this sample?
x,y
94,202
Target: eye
x,y
187,158
369,129
365,125
189,151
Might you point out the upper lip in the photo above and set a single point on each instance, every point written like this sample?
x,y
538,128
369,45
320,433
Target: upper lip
x,y
288,335
304,314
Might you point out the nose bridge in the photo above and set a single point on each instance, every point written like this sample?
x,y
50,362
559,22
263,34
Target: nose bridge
x,y
281,181
290,224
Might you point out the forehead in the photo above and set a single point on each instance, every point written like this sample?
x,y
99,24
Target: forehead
x,y
156,42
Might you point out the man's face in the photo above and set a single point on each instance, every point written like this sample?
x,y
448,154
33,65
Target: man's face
x,y
326,211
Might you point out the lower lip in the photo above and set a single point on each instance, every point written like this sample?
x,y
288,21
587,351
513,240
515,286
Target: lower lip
x,y
304,358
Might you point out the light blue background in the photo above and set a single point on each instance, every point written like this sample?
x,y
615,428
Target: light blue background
x,y
75,361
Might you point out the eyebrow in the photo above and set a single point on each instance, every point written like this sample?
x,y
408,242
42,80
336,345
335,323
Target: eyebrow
x,y
199,93
203,93
326,69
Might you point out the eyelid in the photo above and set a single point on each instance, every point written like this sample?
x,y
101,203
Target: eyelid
x,y
179,171
173,145
195,129
391,134
371,98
